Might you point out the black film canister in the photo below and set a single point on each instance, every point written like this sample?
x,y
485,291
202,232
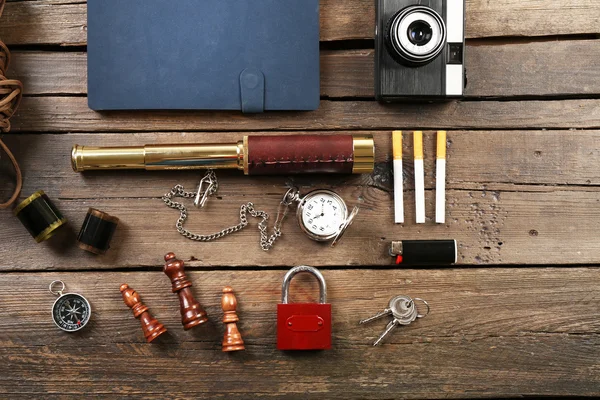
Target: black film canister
x,y
424,252
97,231
40,216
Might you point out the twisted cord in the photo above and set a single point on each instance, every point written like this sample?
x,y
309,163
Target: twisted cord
x,y
11,92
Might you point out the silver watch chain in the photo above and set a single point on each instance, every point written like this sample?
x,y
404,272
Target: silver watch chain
x,y
208,187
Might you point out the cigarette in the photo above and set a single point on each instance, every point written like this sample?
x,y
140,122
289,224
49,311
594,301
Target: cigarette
x,y
398,178
419,177
440,180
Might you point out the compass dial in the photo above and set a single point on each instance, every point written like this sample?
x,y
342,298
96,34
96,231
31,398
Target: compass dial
x,y
322,214
71,312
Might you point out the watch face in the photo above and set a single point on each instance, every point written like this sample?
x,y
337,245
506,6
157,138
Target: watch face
x,y
71,312
322,213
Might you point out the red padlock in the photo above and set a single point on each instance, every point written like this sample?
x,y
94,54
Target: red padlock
x,y
303,326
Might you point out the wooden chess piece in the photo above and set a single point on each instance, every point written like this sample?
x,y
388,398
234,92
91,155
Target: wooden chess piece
x,y
232,341
151,327
192,313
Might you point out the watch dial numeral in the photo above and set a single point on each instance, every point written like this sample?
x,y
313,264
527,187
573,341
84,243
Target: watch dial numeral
x,y
323,214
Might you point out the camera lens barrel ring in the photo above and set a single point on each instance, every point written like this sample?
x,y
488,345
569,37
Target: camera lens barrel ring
x,y
400,30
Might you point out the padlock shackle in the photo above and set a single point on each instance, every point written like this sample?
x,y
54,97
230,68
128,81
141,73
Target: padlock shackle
x,y
287,279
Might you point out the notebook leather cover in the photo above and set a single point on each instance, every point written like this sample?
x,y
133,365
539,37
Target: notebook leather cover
x,y
249,55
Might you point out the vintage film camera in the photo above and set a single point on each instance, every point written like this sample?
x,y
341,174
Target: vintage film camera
x,y
419,50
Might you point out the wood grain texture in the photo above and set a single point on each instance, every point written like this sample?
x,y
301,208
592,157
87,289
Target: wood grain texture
x,y
544,365
71,114
523,190
510,70
501,334
523,160
65,22
533,199
491,228
50,72
531,18
44,22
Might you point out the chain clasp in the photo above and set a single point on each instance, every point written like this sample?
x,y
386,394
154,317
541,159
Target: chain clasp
x,y
205,189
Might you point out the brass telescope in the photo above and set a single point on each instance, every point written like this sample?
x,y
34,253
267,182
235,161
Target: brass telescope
x,y
255,155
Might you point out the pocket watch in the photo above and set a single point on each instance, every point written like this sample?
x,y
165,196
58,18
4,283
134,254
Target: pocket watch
x,y
71,311
322,214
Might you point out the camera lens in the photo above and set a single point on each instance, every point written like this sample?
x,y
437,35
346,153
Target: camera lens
x,y
415,35
420,33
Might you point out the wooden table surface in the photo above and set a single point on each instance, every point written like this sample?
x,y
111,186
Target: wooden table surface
x,y
518,315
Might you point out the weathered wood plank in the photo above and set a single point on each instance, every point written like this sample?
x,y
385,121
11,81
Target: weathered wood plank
x,y
533,18
499,160
512,198
508,70
500,332
545,365
526,69
71,114
65,22
471,303
50,72
491,228
44,22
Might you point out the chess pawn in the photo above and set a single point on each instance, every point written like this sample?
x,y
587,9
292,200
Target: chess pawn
x,y
151,327
232,341
192,313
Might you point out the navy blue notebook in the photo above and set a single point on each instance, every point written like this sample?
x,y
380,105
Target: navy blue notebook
x,y
249,55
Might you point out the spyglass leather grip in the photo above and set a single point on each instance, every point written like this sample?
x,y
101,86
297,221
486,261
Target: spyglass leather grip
x,y
255,155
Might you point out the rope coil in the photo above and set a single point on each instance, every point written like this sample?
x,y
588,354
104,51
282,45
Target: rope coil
x,y
11,92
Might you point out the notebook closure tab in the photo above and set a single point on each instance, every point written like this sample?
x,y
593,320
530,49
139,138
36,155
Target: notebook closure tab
x,y
252,90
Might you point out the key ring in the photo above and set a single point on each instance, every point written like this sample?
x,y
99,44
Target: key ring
x,y
395,309
58,292
426,304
